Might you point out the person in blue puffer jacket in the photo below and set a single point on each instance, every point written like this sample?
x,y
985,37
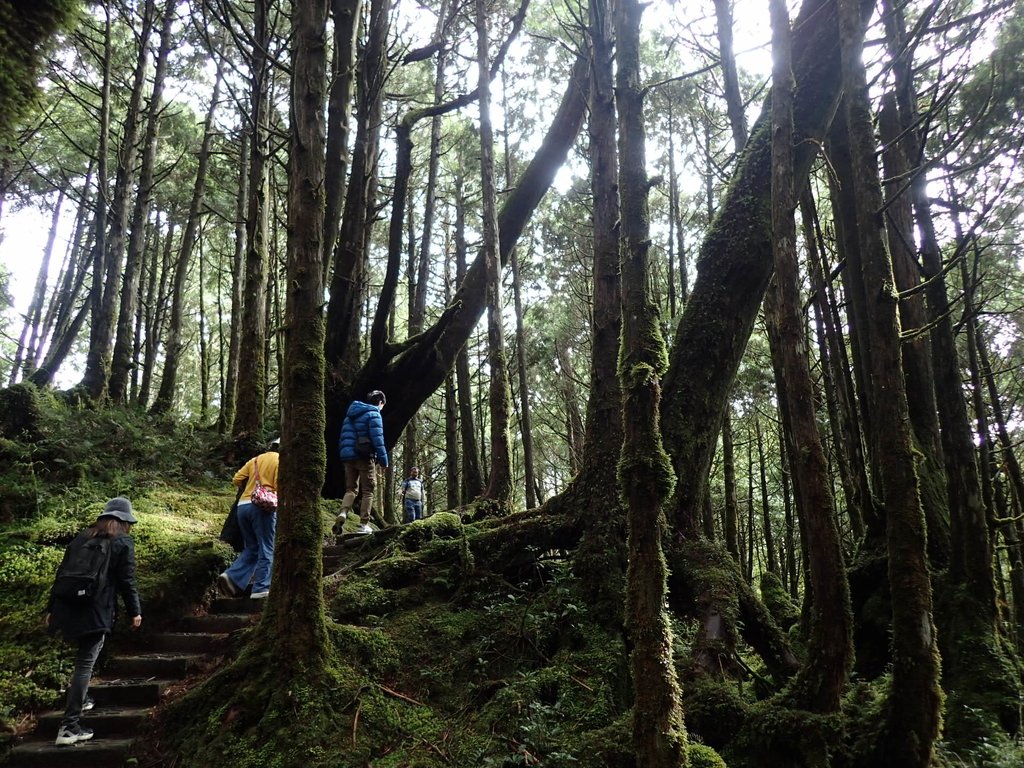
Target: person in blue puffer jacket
x,y
361,447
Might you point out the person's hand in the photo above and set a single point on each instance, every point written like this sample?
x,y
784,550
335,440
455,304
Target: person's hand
x,y
136,622
46,621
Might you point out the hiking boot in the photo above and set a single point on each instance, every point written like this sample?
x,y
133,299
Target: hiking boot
x,y
259,595
226,587
67,736
88,704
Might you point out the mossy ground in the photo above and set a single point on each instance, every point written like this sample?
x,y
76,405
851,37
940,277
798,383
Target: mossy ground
x,y
58,466
453,641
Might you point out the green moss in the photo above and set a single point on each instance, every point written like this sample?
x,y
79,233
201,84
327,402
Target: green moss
x,y
703,756
778,602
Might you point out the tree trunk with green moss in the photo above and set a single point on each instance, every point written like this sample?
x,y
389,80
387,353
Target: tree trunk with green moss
x,y
645,473
499,482
825,672
912,715
600,560
250,403
295,609
733,271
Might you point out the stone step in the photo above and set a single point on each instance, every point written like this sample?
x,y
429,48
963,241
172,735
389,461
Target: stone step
x,y
187,642
127,691
107,722
162,665
235,605
217,623
95,753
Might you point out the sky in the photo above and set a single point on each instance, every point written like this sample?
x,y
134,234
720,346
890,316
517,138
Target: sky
x,y
24,232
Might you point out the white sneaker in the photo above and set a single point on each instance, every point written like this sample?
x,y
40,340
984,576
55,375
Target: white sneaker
x,y
259,595
364,528
67,736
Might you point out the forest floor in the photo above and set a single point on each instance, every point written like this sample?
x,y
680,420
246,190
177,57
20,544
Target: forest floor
x,y
455,642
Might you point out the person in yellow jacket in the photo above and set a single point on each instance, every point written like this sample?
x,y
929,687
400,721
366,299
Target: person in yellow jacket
x,y
259,526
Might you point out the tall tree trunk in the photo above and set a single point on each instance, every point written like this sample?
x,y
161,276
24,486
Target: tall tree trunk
x,y
766,517
823,677
123,361
731,513
600,560
169,381
101,340
296,605
227,410
919,372
913,709
346,14
156,293
645,473
499,483
247,427
526,429
574,430
95,379
733,272
344,311
730,76
846,440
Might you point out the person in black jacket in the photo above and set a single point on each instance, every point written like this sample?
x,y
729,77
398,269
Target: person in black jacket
x,y
90,621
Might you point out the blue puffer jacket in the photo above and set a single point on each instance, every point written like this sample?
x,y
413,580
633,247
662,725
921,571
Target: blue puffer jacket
x,y
362,419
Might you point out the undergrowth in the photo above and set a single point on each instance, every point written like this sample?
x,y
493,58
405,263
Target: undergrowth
x,y
58,466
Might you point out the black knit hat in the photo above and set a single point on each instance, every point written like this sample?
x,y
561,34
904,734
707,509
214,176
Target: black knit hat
x,y
120,508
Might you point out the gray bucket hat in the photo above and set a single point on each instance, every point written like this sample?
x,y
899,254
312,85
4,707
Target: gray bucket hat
x,y
120,508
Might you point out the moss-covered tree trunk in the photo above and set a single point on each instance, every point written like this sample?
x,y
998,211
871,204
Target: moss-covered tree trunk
x,y
499,481
252,371
600,560
645,473
823,677
733,271
295,611
912,716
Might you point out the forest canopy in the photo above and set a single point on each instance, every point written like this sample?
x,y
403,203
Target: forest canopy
x,y
701,323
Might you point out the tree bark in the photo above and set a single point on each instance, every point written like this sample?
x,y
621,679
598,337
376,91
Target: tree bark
x,y
499,482
339,115
913,708
645,472
252,373
824,675
734,269
295,608
95,378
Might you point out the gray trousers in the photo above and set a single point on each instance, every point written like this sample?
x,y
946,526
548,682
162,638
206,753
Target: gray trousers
x,y
89,647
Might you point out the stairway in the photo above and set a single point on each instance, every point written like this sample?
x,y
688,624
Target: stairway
x,y
129,686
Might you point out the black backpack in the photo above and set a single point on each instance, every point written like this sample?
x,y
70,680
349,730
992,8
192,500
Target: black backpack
x,y
83,571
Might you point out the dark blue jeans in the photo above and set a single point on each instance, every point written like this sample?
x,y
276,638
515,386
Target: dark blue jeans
x,y
89,647
413,511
